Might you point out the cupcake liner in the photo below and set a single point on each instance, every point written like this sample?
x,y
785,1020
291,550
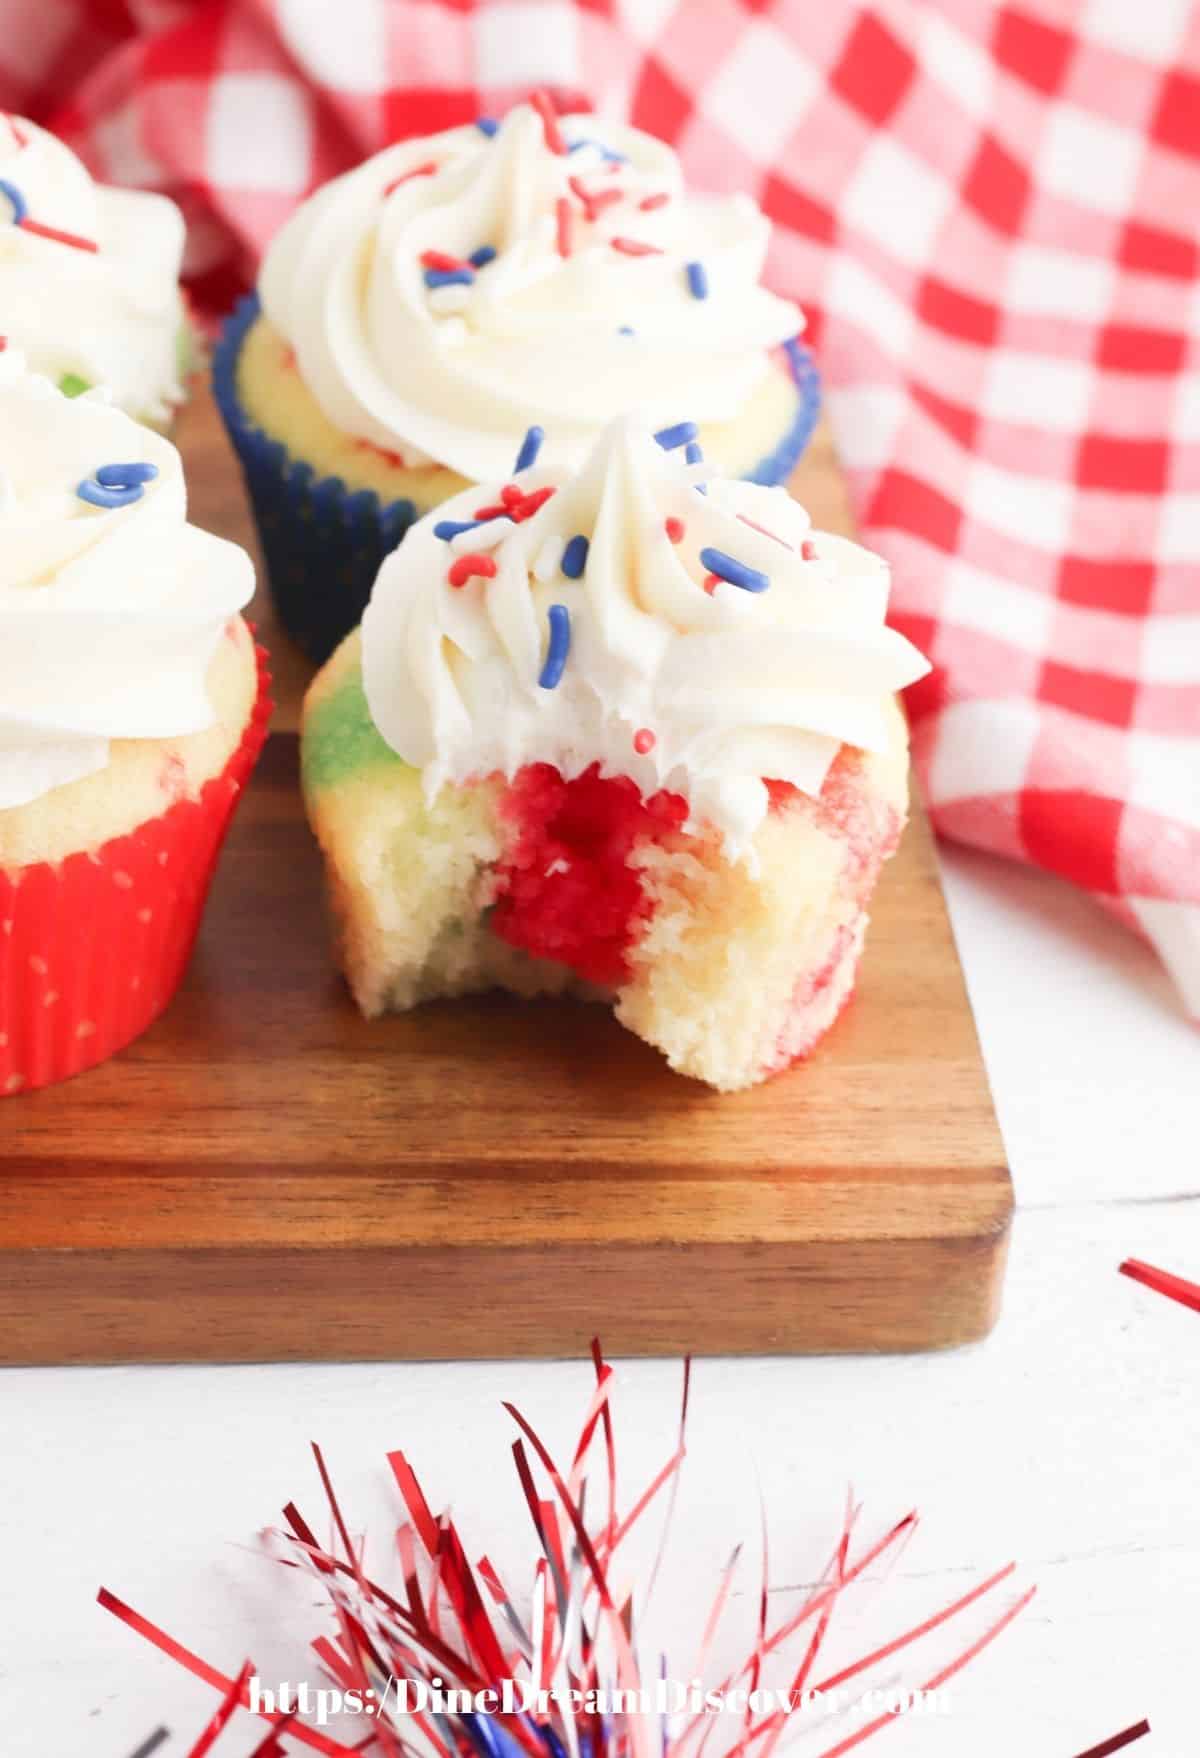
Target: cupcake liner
x,y
92,948
323,544
778,465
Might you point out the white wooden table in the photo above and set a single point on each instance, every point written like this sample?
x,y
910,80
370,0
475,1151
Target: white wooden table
x,y
1070,1440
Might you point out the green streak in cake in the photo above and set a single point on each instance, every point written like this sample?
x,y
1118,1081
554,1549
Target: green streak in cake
x,y
340,738
71,385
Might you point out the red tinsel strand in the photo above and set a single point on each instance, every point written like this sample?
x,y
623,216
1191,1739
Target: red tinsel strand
x,y
1163,1282
1118,1742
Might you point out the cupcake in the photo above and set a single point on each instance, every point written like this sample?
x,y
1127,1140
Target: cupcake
x,y
89,277
132,708
633,736
415,314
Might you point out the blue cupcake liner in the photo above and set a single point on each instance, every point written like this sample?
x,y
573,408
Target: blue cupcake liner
x,y
323,543
778,465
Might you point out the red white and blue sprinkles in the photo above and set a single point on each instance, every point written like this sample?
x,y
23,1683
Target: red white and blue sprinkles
x,y
21,217
559,618
441,271
554,555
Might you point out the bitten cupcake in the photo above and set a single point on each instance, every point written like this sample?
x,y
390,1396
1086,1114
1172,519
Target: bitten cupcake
x,y
415,314
632,732
89,277
133,704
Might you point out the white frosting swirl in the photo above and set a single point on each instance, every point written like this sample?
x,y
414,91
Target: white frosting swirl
x,y
109,618
110,315
537,337
733,685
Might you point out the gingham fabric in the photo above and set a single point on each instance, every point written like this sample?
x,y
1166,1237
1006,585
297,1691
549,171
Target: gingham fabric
x,y
990,213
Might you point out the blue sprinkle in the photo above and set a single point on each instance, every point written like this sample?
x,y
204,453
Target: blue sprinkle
x,y
487,125
531,445
484,255
574,558
448,528
449,277
560,646
19,206
693,455
679,435
610,154
727,567
97,495
125,475
697,278
626,330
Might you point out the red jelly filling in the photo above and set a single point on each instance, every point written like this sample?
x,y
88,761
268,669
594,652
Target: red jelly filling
x,y
566,890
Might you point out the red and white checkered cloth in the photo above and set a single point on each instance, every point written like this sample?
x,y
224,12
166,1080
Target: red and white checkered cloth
x,y
989,211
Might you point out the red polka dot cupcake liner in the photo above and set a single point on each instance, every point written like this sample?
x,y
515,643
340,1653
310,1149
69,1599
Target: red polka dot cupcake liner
x,y
92,948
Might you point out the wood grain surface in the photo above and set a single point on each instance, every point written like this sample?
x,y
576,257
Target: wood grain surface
x,y
266,1175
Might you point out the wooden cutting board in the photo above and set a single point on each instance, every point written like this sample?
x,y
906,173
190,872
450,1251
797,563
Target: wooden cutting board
x,y
266,1175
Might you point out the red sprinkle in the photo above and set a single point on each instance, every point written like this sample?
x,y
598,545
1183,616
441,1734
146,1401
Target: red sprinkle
x,y
528,505
511,494
545,109
644,741
584,196
651,202
425,170
808,550
755,526
674,528
57,237
441,259
711,582
496,512
634,247
562,225
593,202
468,566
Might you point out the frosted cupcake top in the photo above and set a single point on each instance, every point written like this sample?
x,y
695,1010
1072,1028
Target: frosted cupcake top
x,y
453,290
111,604
88,275
692,633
